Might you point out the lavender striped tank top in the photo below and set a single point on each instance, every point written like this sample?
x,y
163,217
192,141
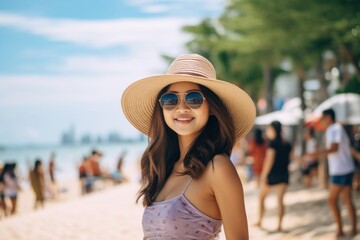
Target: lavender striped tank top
x,y
177,218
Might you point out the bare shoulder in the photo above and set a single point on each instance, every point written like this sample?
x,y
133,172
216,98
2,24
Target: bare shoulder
x,y
220,169
222,163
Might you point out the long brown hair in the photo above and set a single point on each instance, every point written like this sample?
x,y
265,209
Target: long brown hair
x,y
158,160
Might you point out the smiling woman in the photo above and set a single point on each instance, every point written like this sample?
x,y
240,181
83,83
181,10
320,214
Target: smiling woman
x,y
181,121
189,185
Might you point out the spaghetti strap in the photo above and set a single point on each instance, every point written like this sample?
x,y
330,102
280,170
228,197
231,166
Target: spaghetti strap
x,y
186,187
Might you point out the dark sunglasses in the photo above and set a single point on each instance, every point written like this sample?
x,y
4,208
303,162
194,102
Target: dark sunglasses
x,y
193,100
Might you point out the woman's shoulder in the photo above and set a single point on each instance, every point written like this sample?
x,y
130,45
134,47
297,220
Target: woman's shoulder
x,y
287,143
220,166
221,160
273,144
221,173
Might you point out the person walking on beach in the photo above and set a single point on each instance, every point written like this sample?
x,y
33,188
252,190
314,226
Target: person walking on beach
x,y
53,187
52,168
37,180
309,162
2,196
257,149
11,186
275,172
341,170
189,185
118,175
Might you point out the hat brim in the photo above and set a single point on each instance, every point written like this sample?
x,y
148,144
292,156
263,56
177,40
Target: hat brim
x,y
139,99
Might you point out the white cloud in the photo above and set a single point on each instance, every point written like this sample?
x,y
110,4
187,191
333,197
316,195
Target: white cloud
x,y
93,64
142,61
85,78
48,90
145,39
204,4
102,33
179,7
155,8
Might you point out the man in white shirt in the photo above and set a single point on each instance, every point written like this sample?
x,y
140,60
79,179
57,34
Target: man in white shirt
x,y
341,169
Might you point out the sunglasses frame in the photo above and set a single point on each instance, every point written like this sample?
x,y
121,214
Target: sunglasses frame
x,y
179,100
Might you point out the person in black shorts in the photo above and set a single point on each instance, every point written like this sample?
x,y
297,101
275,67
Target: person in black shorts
x,y
275,171
341,171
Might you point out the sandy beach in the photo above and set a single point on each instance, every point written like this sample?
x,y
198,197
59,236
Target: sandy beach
x,y
111,213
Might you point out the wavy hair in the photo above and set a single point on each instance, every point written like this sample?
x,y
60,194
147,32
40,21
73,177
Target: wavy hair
x,y
158,160
276,125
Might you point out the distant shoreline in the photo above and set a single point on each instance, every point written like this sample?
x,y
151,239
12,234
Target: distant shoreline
x,y
5,147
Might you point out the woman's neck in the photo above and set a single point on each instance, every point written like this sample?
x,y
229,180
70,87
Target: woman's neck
x,y
184,145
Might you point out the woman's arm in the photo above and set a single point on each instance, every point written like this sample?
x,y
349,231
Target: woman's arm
x,y
228,191
355,154
268,163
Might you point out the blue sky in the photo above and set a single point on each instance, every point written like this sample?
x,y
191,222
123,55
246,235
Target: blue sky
x,y
66,63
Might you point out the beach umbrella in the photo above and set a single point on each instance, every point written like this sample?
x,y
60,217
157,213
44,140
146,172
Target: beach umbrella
x,y
290,115
345,105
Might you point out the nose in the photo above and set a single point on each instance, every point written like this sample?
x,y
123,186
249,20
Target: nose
x,y
181,107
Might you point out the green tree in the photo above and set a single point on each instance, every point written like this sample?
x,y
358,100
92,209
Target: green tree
x,y
252,37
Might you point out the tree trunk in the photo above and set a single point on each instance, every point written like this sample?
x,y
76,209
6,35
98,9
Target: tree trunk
x,y
301,89
352,58
267,77
301,126
323,92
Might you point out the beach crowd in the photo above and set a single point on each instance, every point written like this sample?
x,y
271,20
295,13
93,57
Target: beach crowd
x,y
311,169
42,179
270,161
92,176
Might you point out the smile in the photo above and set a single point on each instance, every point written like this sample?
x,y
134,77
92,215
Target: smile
x,y
185,120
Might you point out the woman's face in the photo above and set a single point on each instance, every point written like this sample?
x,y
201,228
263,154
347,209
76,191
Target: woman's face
x,y
183,120
270,133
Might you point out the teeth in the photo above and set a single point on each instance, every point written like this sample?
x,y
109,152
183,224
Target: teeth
x,y
183,119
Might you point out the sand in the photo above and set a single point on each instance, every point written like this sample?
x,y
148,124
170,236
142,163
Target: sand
x,y
111,213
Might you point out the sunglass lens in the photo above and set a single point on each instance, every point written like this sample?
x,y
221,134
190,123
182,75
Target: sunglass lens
x,y
194,99
169,101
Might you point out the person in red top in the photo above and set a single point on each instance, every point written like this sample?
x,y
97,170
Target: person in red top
x,y
86,175
95,163
257,150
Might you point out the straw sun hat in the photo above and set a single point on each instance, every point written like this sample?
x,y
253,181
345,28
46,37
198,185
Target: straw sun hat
x,y
139,98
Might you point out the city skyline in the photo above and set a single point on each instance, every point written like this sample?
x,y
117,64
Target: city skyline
x,y
71,137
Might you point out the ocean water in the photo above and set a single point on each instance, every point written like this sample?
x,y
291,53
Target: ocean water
x,y
68,158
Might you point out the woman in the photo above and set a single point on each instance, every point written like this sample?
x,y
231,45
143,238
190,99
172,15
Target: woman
x,y
275,171
2,197
189,185
11,185
37,179
309,162
257,149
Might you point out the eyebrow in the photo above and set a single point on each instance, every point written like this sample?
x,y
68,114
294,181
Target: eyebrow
x,y
185,92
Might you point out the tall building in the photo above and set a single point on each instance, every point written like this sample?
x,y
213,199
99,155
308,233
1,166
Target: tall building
x,y
68,137
114,137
